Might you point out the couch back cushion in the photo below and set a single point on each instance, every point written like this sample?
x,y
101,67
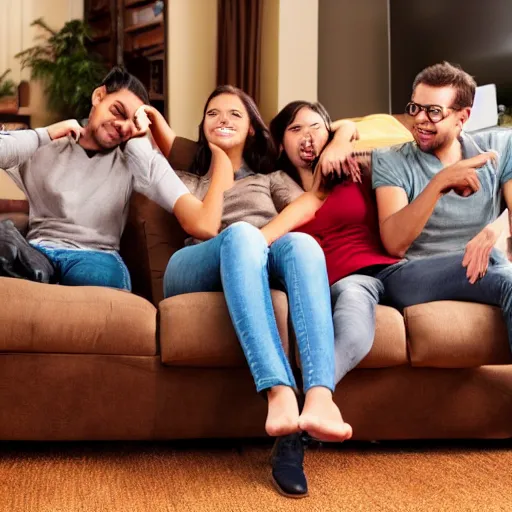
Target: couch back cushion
x,y
156,233
157,236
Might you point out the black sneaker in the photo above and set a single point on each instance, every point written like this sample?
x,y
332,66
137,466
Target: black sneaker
x,y
287,459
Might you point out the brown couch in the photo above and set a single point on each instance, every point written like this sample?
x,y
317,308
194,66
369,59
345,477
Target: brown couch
x,y
93,363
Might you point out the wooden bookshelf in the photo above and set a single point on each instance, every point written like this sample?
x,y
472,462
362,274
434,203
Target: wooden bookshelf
x,y
133,33
101,15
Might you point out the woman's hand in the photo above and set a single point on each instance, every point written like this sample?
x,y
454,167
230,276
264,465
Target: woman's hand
x,y
143,119
221,163
336,159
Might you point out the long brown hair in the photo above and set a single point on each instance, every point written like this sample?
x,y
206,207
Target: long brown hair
x,y
259,151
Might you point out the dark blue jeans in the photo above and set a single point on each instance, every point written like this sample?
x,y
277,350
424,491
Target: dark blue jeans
x,y
444,278
88,268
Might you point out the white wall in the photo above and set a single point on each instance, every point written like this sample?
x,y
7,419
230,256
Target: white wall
x,y
192,61
289,64
298,51
289,60
17,35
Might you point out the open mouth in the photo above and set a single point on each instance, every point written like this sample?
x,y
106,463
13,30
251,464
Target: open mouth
x,y
307,154
307,151
424,134
225,131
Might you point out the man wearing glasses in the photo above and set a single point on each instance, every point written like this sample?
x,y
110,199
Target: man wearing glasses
x,y
439,198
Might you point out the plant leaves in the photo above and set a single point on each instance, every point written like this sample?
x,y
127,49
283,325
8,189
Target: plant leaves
x,y
66,67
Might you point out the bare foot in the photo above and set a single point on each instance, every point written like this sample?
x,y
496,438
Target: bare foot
x,y
321,418
283,411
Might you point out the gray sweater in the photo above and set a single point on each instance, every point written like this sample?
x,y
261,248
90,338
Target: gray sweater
x,y
81,201
253,198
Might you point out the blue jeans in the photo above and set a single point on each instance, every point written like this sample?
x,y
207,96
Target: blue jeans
x,y
88,268
239,263
354,299
444,278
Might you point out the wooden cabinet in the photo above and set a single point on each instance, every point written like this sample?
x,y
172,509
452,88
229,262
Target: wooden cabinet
x,y
132,33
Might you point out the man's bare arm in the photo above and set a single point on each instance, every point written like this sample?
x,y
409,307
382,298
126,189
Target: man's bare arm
x,y
402,222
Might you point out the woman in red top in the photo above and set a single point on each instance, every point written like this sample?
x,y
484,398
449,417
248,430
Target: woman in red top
x,y
340,213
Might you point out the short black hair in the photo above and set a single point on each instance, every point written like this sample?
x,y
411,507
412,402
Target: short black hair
x,y
118,78
449,75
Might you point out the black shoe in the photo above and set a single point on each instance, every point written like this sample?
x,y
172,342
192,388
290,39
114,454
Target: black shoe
x,y
287,460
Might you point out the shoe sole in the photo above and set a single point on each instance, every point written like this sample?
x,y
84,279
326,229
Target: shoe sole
x,y
283,493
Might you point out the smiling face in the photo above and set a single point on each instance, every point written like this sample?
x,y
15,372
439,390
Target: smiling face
x,y
432,137
305,137
226,122
112,118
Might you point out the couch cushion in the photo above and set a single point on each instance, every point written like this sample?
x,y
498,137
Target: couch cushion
x,y
451,334
163,237
389,346
38,317
196,330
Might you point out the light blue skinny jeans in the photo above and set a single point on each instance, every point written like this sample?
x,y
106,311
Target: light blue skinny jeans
x,y
239,262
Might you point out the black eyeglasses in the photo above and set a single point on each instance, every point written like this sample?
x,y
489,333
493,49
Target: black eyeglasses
x,y
435,113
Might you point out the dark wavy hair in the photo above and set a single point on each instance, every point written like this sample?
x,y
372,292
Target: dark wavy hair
x,y
259,151
118,78
285,118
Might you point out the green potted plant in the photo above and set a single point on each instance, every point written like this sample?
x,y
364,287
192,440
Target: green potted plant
x,y
8,94
68,70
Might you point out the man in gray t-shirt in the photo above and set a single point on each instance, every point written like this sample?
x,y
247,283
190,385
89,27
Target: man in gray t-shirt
x,y
79,191
439,198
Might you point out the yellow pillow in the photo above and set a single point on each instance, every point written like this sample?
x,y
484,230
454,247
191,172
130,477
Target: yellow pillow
x,y
379,130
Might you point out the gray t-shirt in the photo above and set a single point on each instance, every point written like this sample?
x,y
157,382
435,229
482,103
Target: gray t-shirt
x,y
81,201
455,220
254,198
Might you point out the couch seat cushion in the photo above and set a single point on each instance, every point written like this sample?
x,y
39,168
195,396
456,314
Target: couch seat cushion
x,y
389,346
196,330
47,318
451,334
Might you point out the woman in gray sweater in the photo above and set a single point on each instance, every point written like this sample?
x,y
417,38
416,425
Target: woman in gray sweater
x,y
238,260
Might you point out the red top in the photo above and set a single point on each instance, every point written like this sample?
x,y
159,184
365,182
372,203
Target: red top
x,y
347,229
